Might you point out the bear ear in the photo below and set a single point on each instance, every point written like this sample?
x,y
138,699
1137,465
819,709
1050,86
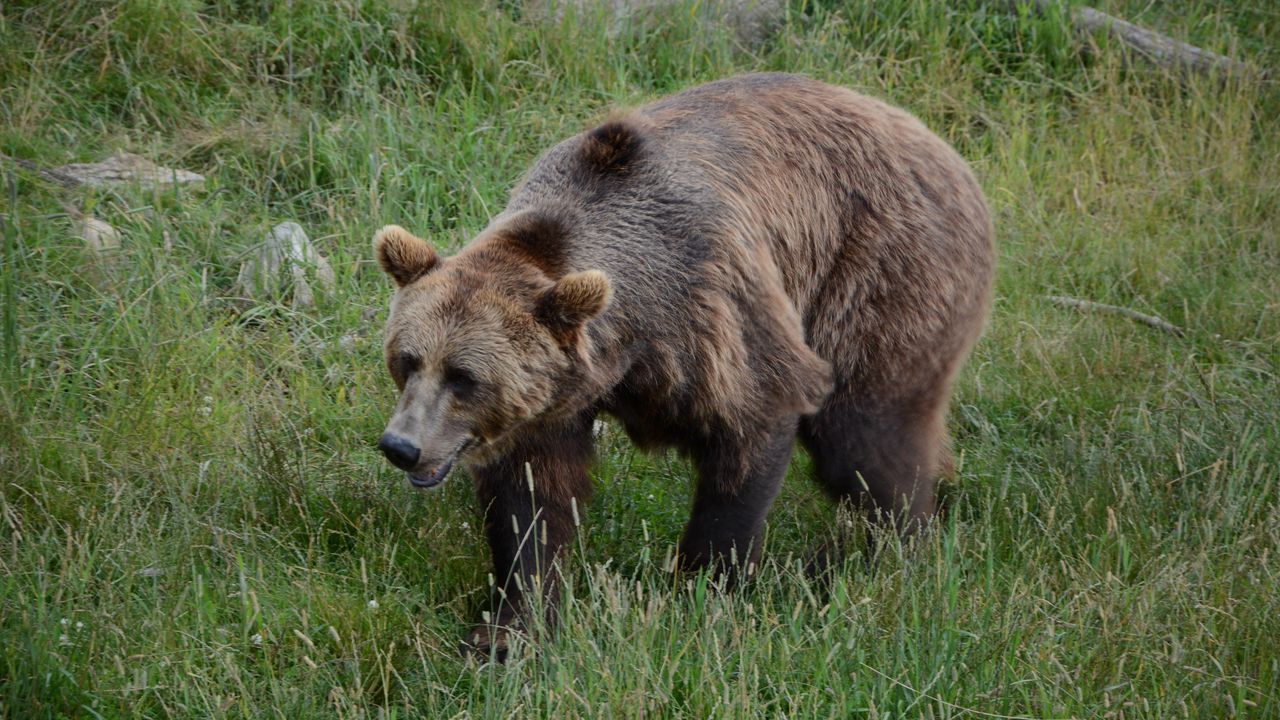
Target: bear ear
x,y
404,256
611,147
573,300
541,236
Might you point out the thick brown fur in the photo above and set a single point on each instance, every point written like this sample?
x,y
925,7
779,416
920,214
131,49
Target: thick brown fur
x,y
724,270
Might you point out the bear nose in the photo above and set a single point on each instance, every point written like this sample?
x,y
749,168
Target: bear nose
x,y
402,453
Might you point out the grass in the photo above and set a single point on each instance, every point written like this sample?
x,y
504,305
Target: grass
x,y
195,522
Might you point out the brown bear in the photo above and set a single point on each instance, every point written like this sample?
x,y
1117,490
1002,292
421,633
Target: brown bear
x,y
723,270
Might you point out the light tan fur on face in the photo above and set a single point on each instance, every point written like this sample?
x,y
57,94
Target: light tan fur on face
x,y
517,339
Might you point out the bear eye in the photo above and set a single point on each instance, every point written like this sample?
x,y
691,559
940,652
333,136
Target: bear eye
x,y
402,365
458,380
407,364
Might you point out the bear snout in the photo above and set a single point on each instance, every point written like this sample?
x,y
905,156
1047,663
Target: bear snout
x,y
402,453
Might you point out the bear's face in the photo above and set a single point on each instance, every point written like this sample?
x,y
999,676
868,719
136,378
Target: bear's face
x,y
476,355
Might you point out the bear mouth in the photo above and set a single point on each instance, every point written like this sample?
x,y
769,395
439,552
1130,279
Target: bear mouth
x,y
426,481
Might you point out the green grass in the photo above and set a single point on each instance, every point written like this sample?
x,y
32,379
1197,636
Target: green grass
x,y
195,522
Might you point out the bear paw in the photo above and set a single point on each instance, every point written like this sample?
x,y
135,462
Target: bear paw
x,y
487,643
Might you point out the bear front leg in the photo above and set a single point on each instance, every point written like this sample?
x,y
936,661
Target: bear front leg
x,y
738,479
529,527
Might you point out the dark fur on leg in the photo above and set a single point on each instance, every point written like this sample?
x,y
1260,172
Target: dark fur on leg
x,y
736,487
529,528
882,460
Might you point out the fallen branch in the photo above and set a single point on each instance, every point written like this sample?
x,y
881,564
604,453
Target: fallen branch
x,y
56,176
121,168
1097,307
1159,49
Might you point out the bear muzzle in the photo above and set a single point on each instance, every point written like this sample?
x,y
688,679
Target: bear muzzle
x,y
401,452
437,475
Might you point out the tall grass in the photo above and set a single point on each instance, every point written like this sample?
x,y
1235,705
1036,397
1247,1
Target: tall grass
x,y
195,522
9,291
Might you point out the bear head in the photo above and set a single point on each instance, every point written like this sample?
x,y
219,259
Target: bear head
x,y
480,345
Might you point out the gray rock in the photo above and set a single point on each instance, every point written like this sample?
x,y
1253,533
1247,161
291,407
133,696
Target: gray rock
x,y
752,21
125,169
286,261
99,236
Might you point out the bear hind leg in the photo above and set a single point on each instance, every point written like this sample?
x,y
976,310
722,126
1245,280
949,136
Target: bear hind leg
x,y
884,459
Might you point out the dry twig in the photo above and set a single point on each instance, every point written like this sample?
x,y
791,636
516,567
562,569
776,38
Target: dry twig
x,y
52,175
1159,49
1097,307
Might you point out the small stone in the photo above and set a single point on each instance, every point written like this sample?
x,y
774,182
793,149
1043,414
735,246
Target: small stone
x,y
286,250
98,235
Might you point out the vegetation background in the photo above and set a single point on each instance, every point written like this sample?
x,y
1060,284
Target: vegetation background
x,y
195,521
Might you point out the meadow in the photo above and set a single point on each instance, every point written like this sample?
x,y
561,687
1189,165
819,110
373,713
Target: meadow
x,y
195,520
